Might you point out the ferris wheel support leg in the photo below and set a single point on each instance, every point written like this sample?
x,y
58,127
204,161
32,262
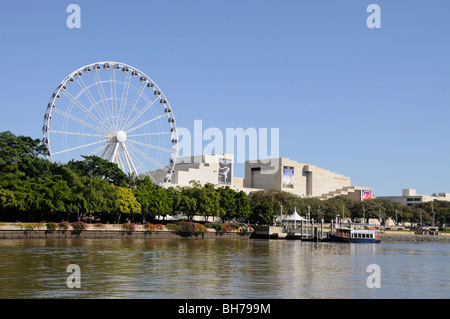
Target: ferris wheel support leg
x,y
106,151
119,162
127,155
114,152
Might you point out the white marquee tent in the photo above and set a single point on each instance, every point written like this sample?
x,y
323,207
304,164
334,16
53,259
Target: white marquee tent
x,y
294,217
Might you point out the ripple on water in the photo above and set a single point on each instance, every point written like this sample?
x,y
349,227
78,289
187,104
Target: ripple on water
x,y
221,269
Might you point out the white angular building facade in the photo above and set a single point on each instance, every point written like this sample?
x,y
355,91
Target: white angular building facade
x,y
280,174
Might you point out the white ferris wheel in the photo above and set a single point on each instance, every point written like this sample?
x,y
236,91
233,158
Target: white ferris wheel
x,y
115,111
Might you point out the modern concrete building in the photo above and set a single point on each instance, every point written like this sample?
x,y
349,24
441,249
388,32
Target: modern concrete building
x,y
279,173
301,179
354,192
291,176
410,197
215,169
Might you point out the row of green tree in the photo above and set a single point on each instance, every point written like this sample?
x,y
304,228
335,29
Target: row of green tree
x,y
268,204
35,189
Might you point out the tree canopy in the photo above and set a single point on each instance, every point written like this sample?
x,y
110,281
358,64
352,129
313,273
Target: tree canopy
x,y
266,204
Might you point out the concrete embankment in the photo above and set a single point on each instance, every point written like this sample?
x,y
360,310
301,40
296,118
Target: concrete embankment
x,y
106,234
415,238
267,232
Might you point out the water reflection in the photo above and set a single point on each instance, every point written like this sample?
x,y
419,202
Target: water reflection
x,y
223,268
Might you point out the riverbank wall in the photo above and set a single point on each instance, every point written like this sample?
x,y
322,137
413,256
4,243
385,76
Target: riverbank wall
x,y
398,236
116,234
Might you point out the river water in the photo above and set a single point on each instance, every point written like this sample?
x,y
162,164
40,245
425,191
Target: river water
x,y
221,268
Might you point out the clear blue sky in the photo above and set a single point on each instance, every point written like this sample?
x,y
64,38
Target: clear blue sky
x,y
372,104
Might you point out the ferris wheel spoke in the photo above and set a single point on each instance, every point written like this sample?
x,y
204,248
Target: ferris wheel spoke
x,y
98,149
127,125
149,134
91,99
73,118
149,158
133,105
145,123
82,107
76,133
78,147
101,92
151,146
85,91
112,77
123,103
93,108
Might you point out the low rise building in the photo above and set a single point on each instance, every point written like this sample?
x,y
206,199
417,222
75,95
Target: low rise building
x,y
280,174
410,197
215,169
301,179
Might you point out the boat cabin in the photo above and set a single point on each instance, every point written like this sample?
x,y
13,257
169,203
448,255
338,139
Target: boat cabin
x,y
355,234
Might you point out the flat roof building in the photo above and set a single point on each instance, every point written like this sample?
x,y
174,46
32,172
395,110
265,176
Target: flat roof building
x,y
291,176
215,169
280,174
301,179
410,197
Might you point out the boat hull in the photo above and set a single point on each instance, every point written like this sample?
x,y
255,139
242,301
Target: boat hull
x,y
340,239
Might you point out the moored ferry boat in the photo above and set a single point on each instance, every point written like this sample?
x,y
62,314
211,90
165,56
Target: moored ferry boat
x,y
356,233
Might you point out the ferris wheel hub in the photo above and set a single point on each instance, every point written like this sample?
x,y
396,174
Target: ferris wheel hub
x,y
121,136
